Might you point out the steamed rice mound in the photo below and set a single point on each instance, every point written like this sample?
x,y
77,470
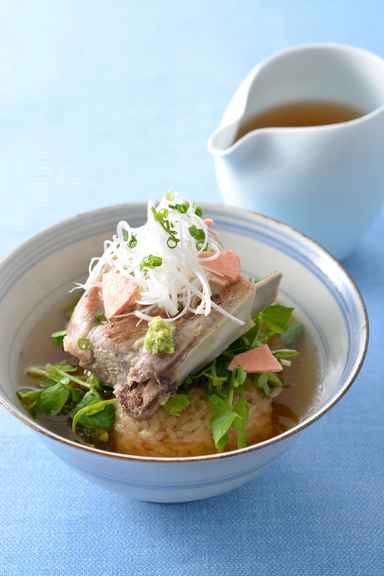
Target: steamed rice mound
x,y
188,434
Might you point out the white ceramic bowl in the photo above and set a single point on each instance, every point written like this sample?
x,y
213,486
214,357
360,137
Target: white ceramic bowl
x,y
36,276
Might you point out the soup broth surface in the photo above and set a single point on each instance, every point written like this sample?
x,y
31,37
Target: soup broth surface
x,y
299,114
293,404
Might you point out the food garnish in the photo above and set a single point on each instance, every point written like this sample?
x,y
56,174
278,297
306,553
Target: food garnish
x,y
159,337
166,318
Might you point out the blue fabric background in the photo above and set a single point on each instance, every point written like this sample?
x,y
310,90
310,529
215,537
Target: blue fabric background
x,y
103,102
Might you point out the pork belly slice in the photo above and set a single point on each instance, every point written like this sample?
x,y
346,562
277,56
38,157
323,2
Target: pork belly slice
x,y
143,381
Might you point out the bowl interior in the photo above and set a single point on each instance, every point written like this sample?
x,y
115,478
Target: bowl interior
x,y
35,278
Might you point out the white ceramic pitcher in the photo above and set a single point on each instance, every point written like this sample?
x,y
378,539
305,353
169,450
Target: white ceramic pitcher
x,y
326,180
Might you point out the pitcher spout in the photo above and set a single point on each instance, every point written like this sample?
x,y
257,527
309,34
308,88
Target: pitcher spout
x,y
289,77
223,140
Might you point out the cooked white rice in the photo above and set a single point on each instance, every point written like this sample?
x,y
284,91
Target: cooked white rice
x,y
188,434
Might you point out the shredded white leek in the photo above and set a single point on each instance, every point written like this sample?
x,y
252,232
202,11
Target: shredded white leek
x,y
180,284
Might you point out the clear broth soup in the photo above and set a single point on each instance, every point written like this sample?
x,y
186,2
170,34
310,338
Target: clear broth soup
x,y
301,380
299,114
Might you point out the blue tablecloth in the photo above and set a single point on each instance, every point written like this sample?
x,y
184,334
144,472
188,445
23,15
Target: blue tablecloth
x,y
103,102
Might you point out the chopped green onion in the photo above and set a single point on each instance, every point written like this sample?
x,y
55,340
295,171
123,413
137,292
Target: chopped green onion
x,y
182,208
172,242
198,211
161,216
100,317
199,235
151,262
84,344
130,240
58,337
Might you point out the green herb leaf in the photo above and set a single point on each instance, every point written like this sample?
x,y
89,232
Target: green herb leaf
x,y
276,318
220,427
293,335
151,262
176,404
46,382
221,421
217,405
285,353
76,395
50,373
98,415
57,371
266,381
52,400
29,398
37,372
84,344
93,381
90,397
262,384
65,367
240,424
215,379
58,337
198,211
238,377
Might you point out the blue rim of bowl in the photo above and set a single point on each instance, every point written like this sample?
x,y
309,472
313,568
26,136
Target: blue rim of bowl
x,y
316,259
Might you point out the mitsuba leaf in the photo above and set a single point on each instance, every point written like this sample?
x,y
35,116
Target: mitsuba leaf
x,y
90,397
76,395
222,419
238,377
266,381
29,398
220,427
276,318
98,415
176,404
285,353
293,335
52,399
240,424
